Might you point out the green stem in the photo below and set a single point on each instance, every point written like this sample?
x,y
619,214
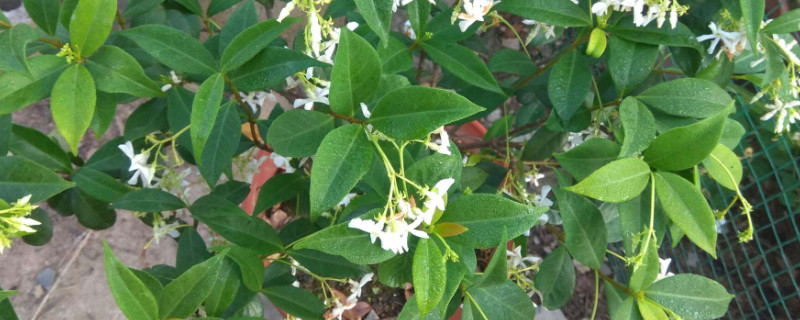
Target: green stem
x,y
474,303
596,293
747,235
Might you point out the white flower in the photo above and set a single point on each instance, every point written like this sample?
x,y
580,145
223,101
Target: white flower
x,y
374,228
395,236
340,308
254,99
286,11
355,287
786,114
365,110
435,196
516,260
319,95
534,178
549,30
175,80
397,3
664,268
409,31
282,162
442,145
139,165
734,42
346,200
473,10
541,198
786,48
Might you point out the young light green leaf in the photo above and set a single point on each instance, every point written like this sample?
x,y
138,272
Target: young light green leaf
x,y
687,97
236,226
568,84
414,112
556,278
691,296
630,63
205,107
149,200
132,296
298,133
378,14
177,50
650,311
44,13
753,15
685,205
463,63
356,73
252,40
584,228
785,23
271,67
486,216
184,295
342,159
639,126
91,24
35,145
647,272
20,90
72,104
296,301
116,71
429,275
561,13
587,157
724,166
12,44
617,181
683,147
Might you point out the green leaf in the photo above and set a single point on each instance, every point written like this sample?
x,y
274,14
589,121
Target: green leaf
x,y
191,5
184,295
691,296
584,228
630,63
12,44
140,7
486,216
647,272
148,118
235,225
543,143
634,219
250,265
587,157
132,296
298,133
271,67
356,73
418,12
44,13
687,97
177,50
104,111
116,71
149,200
463,63
296,301
505,301
327,265
99,184
496,271
680,36
91,24
72,103
32,144
556,279
342,159
429,275
224,291
561,13
617,181
252,40
192,250
244,17
5,133
511,61
568,84
785,23
753,15
280,188
221,145
395,56
650,310
685,205
378,14
724,166
205,107
628,310
217,6
4,294
413,112
639,127
20,177
352,244
20,90
44,231
91,213
67,8
683,147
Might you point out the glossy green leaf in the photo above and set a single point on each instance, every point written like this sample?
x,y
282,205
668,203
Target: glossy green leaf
x,y
327,265
561,13
191,5
91,213
356,73
298,133
378,14
352,244
224,291
503,301
486,216
639,127
650,310
628,310
414,112
683,147
149,200
617,181
511,61
32,144
785,23
687,97
148,118
91,24
685,205
217,6
280,188
184,295
136,8
251,266
205,108
568,83
691,296
418,12
192,250
243,17
587,157
132,296
12,44
463,63
342,159
44,13
20,90
44,231
20,177
630,63
753,15
99,184
296,301
543,144
271,67
556,278
429,275
175,49
680,36
584,228
395,56
724,166
252,40
104,111
634,219
496,271
116,71
221,147
5,133
236,226
72,103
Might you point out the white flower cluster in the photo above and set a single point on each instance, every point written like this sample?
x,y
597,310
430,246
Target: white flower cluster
x,y
787,114
656,10
472,11
733,42
393,230
14,222
139,165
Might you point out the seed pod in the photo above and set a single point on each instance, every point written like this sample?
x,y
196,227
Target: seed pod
x,y
597,43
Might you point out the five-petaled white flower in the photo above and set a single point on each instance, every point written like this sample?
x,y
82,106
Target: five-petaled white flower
x,y
541,198
473,10
441,145
534,178
786,113
663,268
356,286
516,260
319,95
282,162
139,165
395,236
733,41
434,199
374,228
